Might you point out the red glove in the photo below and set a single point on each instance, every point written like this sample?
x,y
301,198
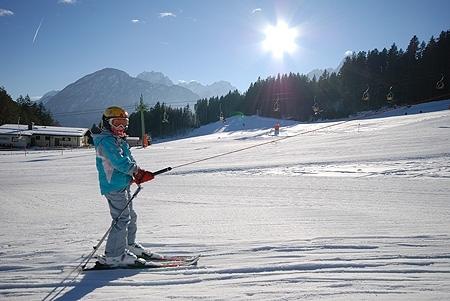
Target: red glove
x,y
141,176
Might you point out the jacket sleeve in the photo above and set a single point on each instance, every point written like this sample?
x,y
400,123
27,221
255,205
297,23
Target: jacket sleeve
x,y
120,161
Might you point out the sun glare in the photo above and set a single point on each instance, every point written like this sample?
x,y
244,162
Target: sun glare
x,y
280,39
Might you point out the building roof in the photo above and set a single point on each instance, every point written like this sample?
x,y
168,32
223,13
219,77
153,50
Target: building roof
x,y
21,129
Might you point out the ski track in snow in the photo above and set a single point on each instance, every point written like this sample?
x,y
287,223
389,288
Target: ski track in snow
x,y
359,211
307,269
382,264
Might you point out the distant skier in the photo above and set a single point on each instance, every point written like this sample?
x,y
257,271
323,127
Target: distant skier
x,y
116,171
276,129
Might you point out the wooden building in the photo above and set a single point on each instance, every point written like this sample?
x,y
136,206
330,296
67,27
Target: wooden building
x,y
19,135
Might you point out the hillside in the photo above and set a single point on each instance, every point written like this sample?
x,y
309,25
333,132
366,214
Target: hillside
x,y
256,125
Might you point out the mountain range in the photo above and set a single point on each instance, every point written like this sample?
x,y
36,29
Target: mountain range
x,y
206,91
319,72
81,103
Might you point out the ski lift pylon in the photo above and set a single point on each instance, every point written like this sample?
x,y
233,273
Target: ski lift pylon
x,y
221,118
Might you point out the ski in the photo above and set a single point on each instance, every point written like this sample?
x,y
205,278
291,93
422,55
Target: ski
x,y
160,257
148,265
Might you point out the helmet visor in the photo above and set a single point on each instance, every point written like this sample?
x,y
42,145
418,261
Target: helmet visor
x,y
119,122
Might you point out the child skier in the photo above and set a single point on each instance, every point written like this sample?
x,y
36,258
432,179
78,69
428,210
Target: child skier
x,y
116,171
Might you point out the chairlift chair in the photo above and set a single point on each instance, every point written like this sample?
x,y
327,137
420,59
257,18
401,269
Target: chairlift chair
x,y
366,96
165,117
390,95
440,84
276,105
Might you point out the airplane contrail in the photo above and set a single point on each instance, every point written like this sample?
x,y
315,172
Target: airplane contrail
x,y
37,30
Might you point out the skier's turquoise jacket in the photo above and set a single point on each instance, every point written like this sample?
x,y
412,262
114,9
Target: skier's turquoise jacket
x,y
115,164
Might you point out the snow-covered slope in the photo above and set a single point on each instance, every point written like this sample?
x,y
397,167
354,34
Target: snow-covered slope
x,y
355,210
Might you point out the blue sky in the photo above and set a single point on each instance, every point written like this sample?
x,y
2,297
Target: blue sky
x,y
48,44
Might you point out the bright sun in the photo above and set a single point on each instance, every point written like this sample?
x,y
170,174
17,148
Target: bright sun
x,y
280,39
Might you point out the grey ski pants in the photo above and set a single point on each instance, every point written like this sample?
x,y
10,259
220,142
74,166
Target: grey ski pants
x,y
124,232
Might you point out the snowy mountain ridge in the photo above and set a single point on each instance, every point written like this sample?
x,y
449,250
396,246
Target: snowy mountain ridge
x,y
155,78
78,103
216,89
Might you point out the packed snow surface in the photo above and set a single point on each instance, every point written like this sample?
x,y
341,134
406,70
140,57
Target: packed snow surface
x,y
355,209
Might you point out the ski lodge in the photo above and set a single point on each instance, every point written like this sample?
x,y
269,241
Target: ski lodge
x,y
20,136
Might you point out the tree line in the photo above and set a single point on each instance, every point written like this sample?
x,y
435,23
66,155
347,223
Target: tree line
x,y
23,110
366,81
162,121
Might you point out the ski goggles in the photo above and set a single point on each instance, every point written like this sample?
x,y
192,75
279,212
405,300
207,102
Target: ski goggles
x,y
119,122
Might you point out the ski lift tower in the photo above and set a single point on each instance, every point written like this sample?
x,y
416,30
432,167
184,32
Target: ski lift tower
x,y
141,108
